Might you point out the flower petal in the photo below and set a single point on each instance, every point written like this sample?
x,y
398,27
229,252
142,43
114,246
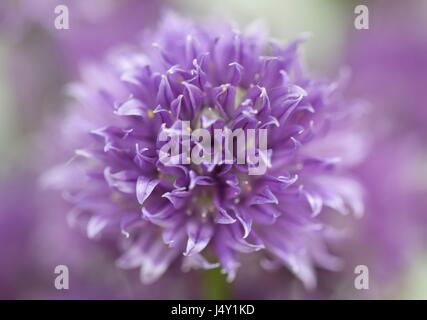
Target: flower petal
x,y
199,236
144,188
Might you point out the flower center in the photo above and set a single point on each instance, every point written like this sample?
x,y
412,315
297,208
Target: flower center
x,y
201,203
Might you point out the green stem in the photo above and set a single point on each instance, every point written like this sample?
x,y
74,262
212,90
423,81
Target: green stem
x,y
215,286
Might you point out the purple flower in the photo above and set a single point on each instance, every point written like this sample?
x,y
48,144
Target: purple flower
x,y
205,216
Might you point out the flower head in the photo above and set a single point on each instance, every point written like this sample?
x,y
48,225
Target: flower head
x,y
207,214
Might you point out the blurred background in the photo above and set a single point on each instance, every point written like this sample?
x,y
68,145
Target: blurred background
x,y
388,68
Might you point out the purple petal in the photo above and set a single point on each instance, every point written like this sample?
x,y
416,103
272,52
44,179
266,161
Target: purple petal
x,y
222,216
144,188
132,107
264,197
199,236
